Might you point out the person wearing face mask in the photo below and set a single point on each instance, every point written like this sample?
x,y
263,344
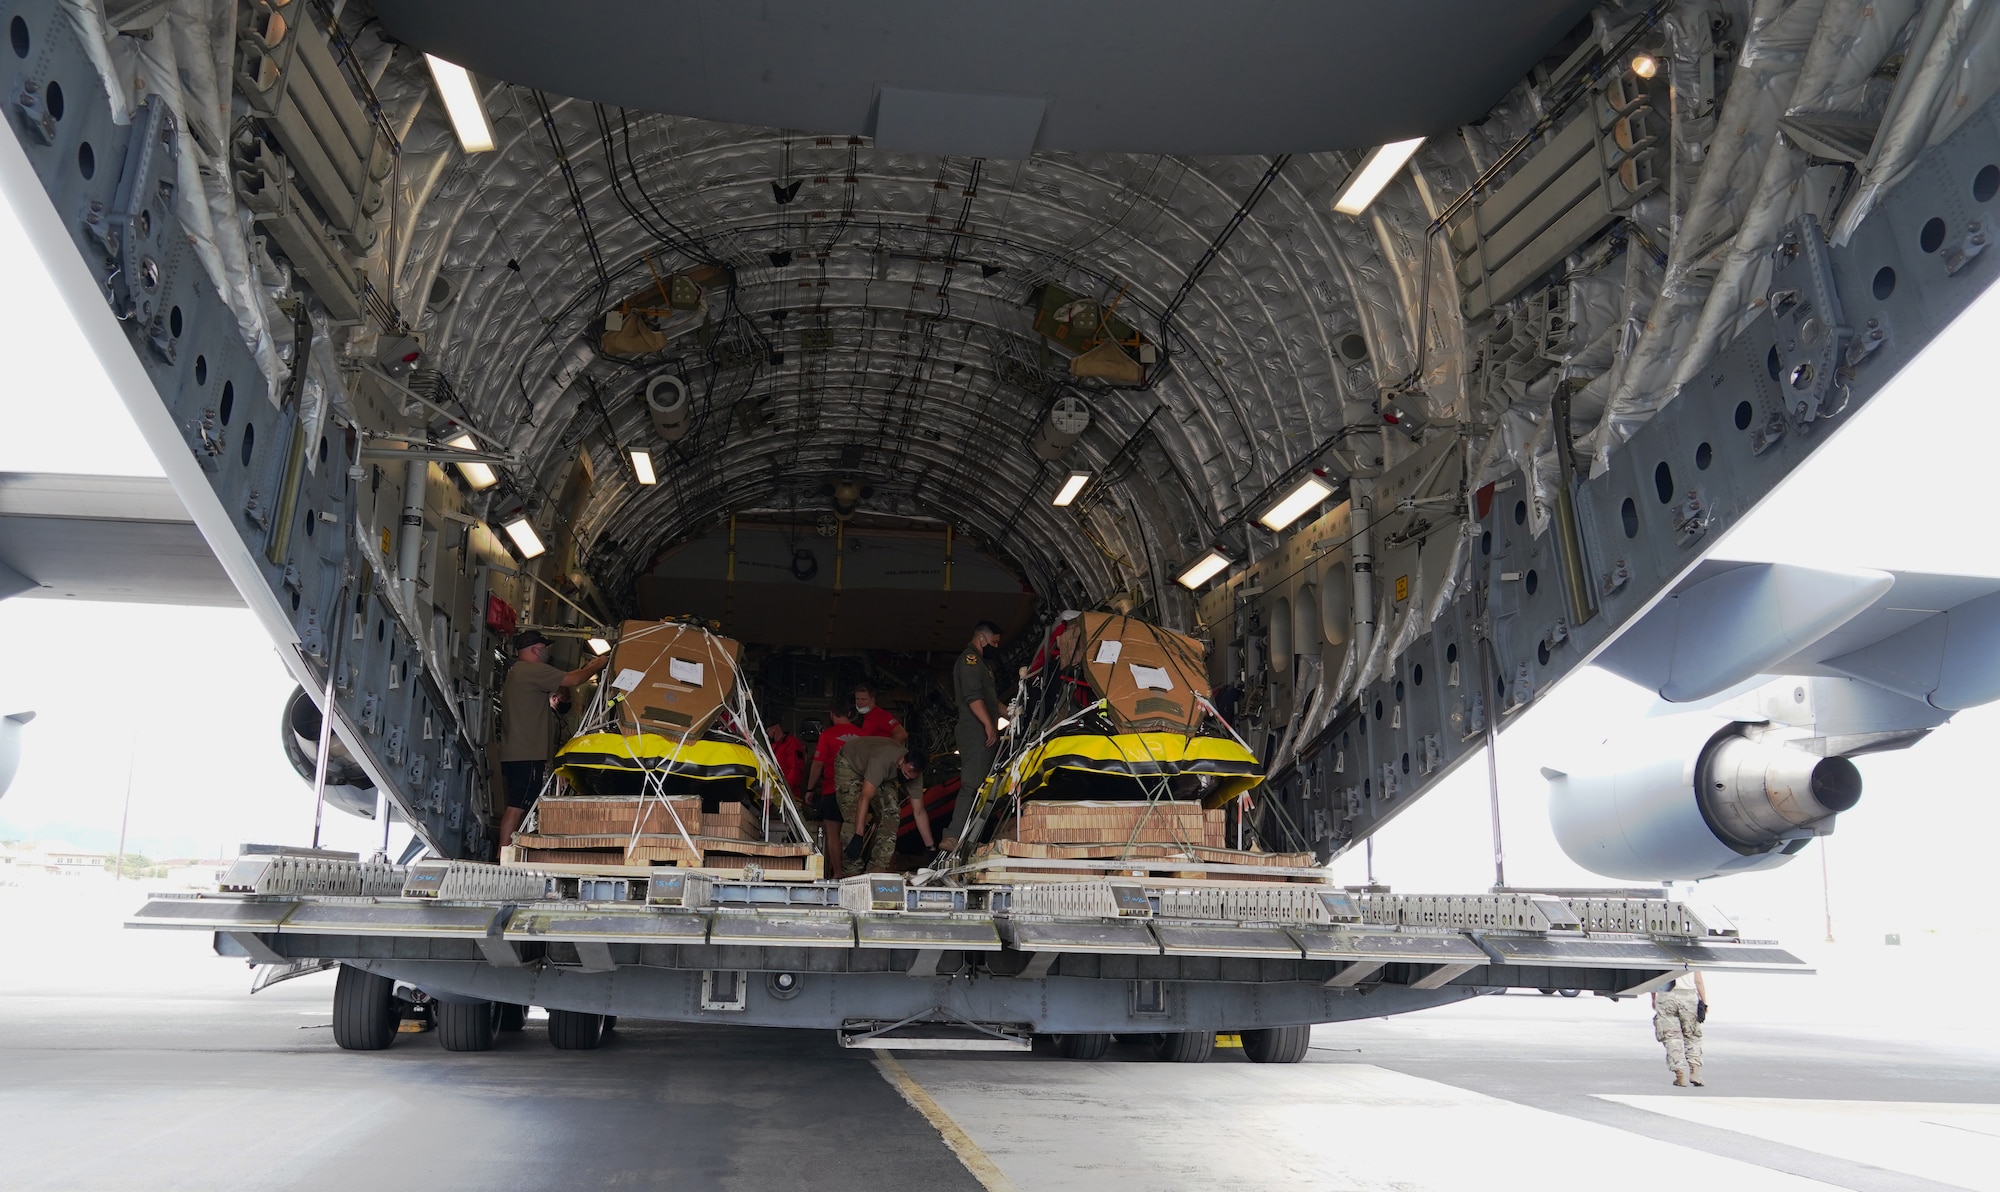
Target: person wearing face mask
x,y
873,720
978,722
528,699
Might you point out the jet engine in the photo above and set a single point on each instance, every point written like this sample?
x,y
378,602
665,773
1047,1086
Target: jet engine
x,y
348,787
1685,800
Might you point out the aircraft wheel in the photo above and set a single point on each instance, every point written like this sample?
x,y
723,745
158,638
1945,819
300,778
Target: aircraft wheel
x,y
365,1015
512,1017
1277,1045
571,1030
1571,992
467,1026
1082,1047
1185,1047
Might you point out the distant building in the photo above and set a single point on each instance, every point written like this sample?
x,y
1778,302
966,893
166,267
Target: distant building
x,y
61,859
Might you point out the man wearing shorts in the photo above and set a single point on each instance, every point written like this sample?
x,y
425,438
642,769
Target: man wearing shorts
x,y
527,723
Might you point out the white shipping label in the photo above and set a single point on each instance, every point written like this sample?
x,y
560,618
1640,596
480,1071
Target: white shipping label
x,y
1108,651
629,679
1152,678
687,672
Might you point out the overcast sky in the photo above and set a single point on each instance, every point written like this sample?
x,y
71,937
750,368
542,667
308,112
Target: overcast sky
x,y
189,699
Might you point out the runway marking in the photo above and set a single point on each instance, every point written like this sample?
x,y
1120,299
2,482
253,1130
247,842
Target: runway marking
x,y
1952,1143
982,1168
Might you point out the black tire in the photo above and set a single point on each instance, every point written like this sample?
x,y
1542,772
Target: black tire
x,y
610,1021
512,1017
1082,1047
571,1030
467,1026
365,1016
1277,1045
1185,1047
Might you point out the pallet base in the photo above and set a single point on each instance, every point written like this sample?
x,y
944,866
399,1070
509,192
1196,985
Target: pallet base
x,y
1011,860
729,861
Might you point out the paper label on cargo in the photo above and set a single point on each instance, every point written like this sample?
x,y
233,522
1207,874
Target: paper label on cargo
x,y
629,679
685,671
1152,678
1108,651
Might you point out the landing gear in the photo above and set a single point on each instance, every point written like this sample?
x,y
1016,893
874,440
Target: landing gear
x,y
1185,1047
570,1030
467,1026
512,1017
365,1013
1277,1045
1082,1047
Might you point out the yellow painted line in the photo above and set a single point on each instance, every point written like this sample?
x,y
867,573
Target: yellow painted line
x,y
976,1161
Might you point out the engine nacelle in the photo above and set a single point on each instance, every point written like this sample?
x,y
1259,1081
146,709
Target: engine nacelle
x,y
348,787
1686,801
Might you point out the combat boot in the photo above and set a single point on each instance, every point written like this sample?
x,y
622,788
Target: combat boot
x,y
1694,1078
1680,1079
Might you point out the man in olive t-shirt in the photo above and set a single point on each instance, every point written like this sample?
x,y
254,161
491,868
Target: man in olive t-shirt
x,y
527,723
875,774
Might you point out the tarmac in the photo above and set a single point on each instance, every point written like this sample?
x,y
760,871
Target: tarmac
x,y
139,1060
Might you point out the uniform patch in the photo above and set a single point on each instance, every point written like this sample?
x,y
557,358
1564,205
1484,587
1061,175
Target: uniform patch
x,y
972,659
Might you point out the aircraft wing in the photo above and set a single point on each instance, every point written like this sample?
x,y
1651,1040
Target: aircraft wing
x,y
1928,637
122,538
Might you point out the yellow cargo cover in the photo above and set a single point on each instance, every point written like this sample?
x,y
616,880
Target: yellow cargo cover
x,y
596,762
1142,755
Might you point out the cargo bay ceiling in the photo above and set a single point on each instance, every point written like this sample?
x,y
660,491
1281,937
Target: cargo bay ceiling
x,y
868,311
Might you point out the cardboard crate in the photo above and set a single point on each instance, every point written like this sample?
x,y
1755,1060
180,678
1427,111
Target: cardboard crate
x,y
674,677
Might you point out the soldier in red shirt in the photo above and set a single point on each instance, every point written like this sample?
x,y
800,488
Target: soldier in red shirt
x,y
819,793
874,720
791,759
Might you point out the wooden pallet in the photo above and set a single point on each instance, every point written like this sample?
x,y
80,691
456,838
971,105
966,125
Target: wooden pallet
x,y
655,850
1011,860
813,865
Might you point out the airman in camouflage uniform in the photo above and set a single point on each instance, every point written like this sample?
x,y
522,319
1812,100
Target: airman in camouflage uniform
x,y
871,778
1677,1024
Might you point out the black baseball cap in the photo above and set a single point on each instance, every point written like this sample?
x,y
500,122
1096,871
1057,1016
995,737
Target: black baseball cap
x,y
529,637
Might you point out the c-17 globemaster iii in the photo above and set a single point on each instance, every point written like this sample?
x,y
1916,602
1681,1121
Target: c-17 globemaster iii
x,y
1362,370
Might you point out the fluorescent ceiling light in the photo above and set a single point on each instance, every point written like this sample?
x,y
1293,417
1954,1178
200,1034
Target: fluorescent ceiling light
x,y
1310,492
478,475
599,646
642,463
1376,170
524,537
1204,569
461,102
1071,487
